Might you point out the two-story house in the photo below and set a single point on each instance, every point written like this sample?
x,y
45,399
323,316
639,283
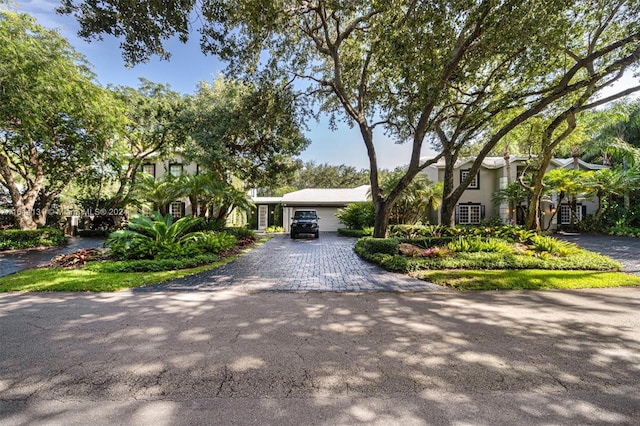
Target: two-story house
x,y
176,166
477,204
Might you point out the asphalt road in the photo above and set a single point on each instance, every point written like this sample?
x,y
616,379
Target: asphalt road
x,y
277,358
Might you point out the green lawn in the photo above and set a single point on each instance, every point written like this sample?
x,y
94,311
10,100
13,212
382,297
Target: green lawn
x,y
85,280
526,279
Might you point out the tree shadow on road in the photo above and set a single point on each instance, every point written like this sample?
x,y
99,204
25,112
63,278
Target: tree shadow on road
x,y
322,358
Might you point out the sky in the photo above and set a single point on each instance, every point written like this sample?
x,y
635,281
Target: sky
x,y
188,66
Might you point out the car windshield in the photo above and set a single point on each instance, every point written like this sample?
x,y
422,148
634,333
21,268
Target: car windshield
x,y
304,215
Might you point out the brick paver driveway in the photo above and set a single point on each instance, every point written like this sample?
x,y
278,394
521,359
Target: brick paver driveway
x,y
282,264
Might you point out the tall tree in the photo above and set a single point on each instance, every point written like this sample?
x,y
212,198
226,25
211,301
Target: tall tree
x,y
247,130
438,73
150,129
54,120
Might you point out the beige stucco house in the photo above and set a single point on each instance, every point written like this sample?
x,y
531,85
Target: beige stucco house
x,y
476,204
177,166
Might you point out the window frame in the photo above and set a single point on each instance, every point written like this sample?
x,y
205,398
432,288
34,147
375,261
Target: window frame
x,y
147,165
180,213
176,164
475,183
469,214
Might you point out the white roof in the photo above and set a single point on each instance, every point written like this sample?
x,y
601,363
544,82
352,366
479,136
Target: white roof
x,y
266,200
497,162
327,196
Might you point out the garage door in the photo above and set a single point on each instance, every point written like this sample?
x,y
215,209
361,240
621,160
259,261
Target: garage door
x,y
328,220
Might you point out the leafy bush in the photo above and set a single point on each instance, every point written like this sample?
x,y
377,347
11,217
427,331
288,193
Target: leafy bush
x,y
359,233
12,239
624,230
274,229
240,233
478,244
357,215
507,232
422,231
214,242
427,242
372,245
148,237
552,246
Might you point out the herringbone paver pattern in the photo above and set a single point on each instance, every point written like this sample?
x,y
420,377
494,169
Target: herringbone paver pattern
x,y
282,264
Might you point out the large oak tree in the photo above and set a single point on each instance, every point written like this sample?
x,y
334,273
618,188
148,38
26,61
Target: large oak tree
x,y
54,120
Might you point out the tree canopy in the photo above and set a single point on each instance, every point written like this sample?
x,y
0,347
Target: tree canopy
x,y
244,129
429,73
53,119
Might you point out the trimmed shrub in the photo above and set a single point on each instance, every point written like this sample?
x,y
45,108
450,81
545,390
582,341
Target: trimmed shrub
x,y
12,239
153,265
372,245
240,232
93,233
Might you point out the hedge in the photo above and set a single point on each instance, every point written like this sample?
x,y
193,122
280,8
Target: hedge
x,y
153,265
12,239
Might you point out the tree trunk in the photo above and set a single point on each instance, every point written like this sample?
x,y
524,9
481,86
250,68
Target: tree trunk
x,y
532,222
448,207
381,222
22,203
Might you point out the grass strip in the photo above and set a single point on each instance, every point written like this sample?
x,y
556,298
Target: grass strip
x,y
526,279
87,280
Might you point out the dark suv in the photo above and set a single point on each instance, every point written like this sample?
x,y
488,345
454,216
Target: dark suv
x,y
305,222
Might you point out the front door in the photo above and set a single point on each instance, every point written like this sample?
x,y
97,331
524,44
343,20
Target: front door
x,y
263,217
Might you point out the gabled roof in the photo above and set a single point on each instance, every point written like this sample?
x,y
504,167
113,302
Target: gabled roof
x,y
565,163
498,162
327,196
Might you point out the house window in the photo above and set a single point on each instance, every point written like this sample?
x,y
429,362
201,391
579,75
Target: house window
x,y
149,169
176,209
565,214
475,183
469,214
175,169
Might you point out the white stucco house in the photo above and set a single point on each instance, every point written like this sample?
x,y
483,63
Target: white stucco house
x,y
326,201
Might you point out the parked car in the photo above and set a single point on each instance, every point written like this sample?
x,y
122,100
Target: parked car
x,y
305,222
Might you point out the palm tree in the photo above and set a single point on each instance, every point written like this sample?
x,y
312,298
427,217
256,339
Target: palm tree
x,y
567,183
417,200
606,183
202,190
513,194
159,192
